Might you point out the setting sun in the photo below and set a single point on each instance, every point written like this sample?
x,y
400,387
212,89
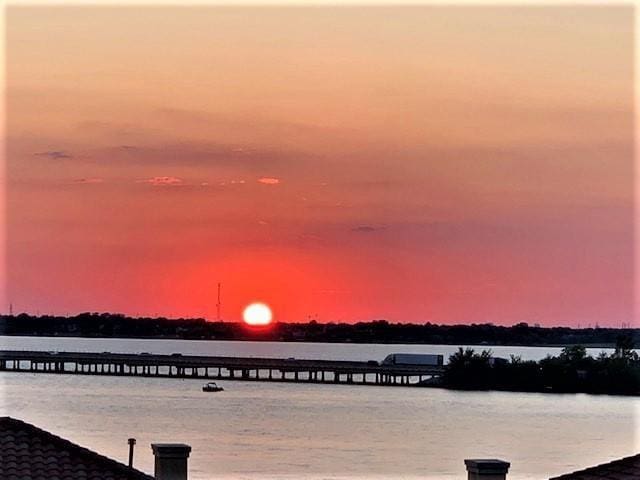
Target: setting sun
x,y
257,314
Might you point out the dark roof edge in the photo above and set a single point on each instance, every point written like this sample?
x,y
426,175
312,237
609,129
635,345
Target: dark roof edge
x,y
111,463
567,476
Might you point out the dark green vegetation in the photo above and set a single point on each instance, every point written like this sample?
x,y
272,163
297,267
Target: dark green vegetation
x,y
380,331
572,371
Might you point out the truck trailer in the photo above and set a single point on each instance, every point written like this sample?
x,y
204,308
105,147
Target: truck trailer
x,y
414,359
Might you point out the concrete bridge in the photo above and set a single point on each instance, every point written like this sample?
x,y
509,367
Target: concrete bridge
x,y
217,368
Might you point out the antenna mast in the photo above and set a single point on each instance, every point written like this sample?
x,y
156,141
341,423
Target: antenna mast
x,y
218,304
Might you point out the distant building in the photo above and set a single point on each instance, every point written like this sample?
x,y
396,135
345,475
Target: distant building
x,y
30,453
494,361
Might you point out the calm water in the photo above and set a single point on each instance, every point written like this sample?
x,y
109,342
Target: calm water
x,y
271,430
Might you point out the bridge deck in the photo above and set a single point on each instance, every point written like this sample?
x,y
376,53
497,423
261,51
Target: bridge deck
x,y
212,367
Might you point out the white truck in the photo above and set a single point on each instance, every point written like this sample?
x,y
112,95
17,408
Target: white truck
x,y
414,359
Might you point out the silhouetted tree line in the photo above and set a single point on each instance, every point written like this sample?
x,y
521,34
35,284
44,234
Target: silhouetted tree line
x,y
379,331
572,371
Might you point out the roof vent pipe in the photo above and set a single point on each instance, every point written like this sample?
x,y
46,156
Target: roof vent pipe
x,y
131,442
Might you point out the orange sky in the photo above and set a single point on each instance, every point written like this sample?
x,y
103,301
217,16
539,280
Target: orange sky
x,y
444,164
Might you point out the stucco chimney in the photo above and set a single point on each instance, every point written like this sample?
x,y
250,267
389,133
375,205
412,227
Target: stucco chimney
x,y
171,460
487,469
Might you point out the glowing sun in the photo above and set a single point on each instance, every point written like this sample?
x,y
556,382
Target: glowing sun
x,y
257,314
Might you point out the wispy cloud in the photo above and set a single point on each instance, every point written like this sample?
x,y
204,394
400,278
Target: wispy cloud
x,y
163,181
269,180
55,154
367,228
160,153
224,183
92,180
255,122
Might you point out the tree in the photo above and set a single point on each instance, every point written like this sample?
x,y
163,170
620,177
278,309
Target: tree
x,y
574,353
469,370
624,348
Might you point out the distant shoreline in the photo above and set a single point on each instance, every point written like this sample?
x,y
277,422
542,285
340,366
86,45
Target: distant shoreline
x,y
108,325
258,340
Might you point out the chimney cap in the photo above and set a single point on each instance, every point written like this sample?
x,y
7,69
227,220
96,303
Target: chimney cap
x,y
487,466
171,450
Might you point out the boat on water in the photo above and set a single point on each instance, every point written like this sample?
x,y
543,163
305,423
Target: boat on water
x,y
212,387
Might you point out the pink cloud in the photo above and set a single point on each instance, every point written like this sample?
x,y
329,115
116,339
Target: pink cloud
x,y
231,182
163,181
269,180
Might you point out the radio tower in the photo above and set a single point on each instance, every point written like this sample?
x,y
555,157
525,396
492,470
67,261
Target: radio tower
x,y
218,304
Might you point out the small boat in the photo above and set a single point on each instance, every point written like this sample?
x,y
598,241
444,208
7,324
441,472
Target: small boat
x,y
212,387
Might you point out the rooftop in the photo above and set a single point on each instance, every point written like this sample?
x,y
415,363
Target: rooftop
x,y
30,453
627,468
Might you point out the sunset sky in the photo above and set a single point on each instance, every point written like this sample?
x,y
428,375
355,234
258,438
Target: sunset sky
x,y
445,164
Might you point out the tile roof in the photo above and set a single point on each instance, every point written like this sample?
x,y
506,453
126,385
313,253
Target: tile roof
x,y
30,453
627,468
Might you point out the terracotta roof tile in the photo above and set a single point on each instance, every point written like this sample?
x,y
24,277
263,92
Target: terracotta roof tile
x,y
30,453
627,468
